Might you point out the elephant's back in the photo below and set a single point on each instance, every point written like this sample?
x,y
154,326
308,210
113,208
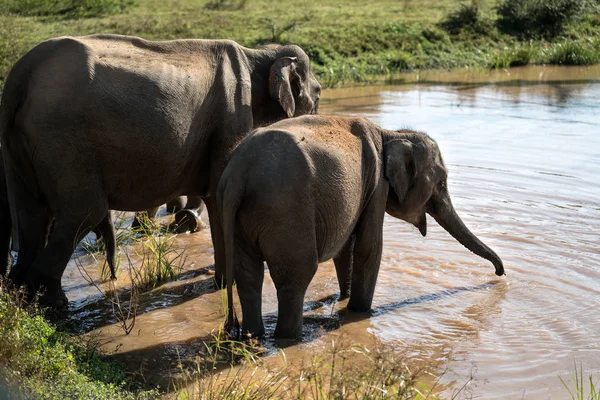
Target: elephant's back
x,y
293,180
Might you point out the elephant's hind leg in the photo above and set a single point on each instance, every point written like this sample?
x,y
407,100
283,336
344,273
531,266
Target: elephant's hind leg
x,y
292,268
249,276
71,223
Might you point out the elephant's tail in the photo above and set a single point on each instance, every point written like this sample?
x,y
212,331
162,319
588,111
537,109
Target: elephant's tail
x,y
229,197
11,100
13,149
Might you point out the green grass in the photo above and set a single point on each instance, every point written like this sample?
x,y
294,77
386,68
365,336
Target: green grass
x,y
44,363
342,371
574,53
159,260
514,57
584,389
65,8
348,41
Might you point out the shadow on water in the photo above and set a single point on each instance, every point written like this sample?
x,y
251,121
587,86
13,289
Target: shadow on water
x,y
97,311
314,325
160,363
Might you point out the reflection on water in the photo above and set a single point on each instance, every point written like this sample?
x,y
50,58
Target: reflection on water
x,y
523,151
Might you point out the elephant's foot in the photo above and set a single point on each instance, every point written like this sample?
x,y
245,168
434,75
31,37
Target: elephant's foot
x,y
186,221
344,295
48,289
359,305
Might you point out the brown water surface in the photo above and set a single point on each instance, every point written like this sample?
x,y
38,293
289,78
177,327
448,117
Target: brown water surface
x,y
523,150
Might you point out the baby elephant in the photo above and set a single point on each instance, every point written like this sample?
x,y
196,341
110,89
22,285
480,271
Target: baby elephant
x,y
295,193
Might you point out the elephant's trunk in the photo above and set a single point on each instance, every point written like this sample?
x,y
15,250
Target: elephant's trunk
x,y
442,210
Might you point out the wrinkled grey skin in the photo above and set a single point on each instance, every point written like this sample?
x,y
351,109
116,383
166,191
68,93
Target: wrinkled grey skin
x,y
105,122
305,190
105,230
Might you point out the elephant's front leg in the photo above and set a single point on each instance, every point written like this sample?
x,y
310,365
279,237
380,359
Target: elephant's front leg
x,y
367,257
216,233
343,267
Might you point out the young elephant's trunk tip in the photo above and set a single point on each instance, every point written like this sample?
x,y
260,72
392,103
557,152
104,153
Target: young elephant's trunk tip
x,y
499,267
446,216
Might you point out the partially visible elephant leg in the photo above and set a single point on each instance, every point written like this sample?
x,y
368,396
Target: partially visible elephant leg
x,y
216,233
195,203
71,223
343,267
106,230
142,215
186,221
367,256
249,274
291,289
175,205
33,222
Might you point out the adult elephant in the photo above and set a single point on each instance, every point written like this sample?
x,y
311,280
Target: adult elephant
x,y
104,122
334,178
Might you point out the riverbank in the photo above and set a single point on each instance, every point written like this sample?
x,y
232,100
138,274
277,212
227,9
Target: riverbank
x,y
348,42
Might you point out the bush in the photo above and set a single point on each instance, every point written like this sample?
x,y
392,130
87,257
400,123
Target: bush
x,y
468,17
69,8
538,18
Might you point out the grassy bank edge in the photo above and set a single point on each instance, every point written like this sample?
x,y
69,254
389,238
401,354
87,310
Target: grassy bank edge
x,y
38,361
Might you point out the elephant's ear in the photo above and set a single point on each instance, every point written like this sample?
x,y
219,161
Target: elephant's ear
x,y
279,83
399,166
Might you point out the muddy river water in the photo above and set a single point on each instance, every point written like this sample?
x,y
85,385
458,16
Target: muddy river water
x,y
523,152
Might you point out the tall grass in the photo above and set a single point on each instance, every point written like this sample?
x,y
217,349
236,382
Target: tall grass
x,y
573,53
343,371
159,260
581,391
123,236
513,57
